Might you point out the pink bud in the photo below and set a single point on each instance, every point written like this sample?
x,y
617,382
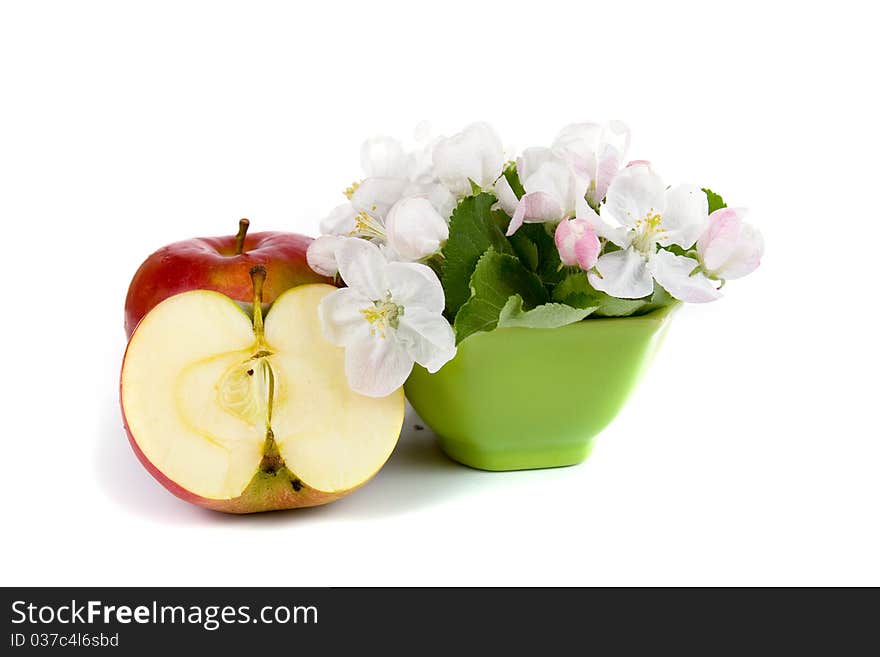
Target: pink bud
x,y
634,163
577,242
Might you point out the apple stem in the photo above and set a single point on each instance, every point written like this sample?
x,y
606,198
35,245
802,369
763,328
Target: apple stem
x,y
258,277
243,225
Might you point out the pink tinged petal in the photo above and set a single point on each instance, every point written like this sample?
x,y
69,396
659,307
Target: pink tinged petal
x,y
375,196
635,193
635,163
746,256
686,216
622,274
609,164
362,267
577,243
719,240
340,221
321,254
376,366
673,272
427,337
534,208
415,285
341,318
415,229
507,199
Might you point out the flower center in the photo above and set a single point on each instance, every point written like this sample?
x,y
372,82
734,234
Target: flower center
x,y
382,314
367,226
648,231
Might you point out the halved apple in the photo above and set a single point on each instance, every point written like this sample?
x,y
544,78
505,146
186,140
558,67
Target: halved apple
x,y
238,416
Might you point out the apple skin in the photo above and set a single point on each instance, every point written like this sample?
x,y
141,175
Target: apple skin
x,y
211,263
265,492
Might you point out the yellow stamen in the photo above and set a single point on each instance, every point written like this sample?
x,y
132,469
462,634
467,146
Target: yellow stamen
x,y
351,189
381,315
367,226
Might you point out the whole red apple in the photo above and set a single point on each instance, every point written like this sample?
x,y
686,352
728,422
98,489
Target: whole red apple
x,y
220,264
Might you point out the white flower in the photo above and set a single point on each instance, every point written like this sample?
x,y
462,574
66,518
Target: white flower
x,y
728,248
639,214
552,189
389,317
414,229
596,152
474,154
401,215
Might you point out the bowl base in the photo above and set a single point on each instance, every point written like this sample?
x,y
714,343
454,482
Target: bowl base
x,y
515,459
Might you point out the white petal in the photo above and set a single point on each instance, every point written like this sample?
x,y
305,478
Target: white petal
x,y
376,366
427,337
635,193
340,221
384,157
624,274
415,285
614,233
321,254
415,229
375,196
532,159
685,217
507,199
557,179
473,154
341,318
673,272
362,267
578,143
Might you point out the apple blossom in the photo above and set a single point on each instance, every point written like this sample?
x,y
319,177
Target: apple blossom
x,y
728,248
474,154
596,152
640,214
388,318
552,189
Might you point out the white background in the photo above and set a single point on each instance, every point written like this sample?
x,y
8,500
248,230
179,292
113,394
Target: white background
x,y
750,453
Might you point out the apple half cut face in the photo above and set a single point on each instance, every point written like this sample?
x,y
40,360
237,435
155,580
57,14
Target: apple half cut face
x,y
239,416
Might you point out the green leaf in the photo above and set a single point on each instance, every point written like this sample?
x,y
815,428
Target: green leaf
x,y
548,315
526,250
473,228
513,179
549,267
715,201
496,278
575,290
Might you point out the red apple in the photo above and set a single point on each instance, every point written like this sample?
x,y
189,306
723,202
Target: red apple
x,y
221,264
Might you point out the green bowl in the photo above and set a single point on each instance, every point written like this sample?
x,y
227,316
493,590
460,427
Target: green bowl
x,y
520,398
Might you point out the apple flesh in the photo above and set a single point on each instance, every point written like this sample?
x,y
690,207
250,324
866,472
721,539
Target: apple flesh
x,y
238,416
220,264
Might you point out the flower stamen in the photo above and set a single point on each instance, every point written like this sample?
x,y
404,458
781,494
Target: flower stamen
x,y
383,314
351,189
367,226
